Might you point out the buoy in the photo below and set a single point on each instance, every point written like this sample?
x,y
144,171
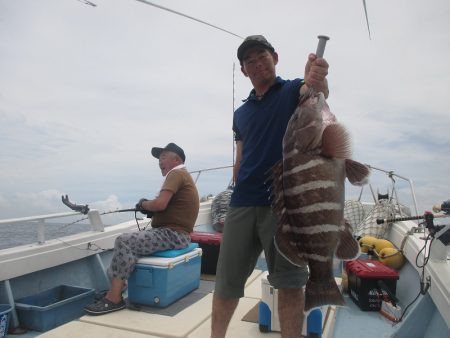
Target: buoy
x,y
392,258
380,244
367,243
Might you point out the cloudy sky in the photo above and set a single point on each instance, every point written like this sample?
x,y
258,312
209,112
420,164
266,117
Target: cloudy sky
x,y
85,92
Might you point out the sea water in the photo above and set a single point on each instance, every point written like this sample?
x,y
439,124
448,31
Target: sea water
x,y
26,233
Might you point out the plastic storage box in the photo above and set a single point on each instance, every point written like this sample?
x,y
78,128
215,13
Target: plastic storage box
x,y
369,282
209,242
160,281
53,307
5,310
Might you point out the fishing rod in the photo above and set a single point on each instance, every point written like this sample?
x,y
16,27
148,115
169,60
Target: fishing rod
x,y
444,206
441,232
189,17
175,12
84,209
426,216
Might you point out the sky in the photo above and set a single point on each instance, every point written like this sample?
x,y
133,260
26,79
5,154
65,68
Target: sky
x,y
87,91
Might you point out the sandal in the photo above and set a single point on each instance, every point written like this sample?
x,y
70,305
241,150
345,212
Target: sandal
x,y
103,306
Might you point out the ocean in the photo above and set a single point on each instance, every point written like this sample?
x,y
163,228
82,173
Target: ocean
x,y
26,233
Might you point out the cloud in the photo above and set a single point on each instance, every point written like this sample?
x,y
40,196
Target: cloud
x,y
85,92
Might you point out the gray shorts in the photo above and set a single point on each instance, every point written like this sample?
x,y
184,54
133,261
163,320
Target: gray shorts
x,y
248,231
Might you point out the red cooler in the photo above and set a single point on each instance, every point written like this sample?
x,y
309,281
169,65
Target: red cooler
x,y
209,242
369,282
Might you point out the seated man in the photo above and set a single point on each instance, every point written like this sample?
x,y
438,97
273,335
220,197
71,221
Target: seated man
x,y
174,211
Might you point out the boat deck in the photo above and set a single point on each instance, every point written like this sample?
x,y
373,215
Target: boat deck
x,y
188,317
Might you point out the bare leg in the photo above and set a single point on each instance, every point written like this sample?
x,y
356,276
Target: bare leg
x,y
115,293
222,311
291,303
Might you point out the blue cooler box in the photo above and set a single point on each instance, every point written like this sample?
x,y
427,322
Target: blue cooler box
x,y
269,320
160,281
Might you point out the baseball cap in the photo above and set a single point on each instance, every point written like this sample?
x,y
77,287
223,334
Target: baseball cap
x,y
156,151
252,41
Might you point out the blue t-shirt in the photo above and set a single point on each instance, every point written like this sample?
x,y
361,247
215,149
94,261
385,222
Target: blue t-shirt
x,y
260,125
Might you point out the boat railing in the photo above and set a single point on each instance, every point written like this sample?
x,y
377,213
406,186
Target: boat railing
x,y
391,174
41,221
199,172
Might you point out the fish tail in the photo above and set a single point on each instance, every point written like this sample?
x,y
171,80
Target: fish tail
x,y
323,293
348,247
357,173
336,141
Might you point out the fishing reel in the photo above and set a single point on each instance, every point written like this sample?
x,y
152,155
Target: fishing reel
x,y
445,207
139,208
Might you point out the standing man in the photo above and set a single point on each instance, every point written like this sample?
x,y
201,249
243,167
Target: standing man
x,y
259,126
174,211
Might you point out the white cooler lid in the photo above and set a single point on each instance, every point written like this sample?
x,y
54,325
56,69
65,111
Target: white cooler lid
x,y
167,262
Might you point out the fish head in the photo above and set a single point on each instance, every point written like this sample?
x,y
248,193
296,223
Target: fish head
x,y
311,107
306,124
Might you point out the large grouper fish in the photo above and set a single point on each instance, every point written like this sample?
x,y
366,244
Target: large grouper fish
x,y
309,191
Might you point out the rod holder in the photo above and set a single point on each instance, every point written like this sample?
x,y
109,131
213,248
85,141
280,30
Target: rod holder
x,y
321,45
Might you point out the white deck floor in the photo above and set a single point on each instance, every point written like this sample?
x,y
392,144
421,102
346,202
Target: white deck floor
x,y
193,322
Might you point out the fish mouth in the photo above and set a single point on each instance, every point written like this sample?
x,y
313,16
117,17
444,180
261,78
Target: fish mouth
x,y
320,100
316,98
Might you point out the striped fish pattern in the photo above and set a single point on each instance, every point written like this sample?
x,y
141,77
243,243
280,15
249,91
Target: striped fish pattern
x,y
309,195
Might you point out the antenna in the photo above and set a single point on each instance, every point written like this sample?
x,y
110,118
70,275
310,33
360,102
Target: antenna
x,y
234,150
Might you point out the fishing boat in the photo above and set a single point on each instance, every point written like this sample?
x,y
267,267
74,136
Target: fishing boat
x,y
44,285
80,261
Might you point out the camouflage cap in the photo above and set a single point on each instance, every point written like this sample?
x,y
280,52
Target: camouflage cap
x,y
252,41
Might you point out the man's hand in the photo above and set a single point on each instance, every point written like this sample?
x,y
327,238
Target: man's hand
x,y
316,70
141,209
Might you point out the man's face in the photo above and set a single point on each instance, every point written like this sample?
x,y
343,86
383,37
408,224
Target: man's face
x,y
258,64
167,161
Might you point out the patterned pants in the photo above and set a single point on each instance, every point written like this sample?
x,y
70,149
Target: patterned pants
x,y
128,247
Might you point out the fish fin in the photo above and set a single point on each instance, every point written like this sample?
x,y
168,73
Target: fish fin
x,y
357,173
323,293
285,244
277,189
284,240
348,247
336,141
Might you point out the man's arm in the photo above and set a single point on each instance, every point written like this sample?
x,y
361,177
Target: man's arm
x,y
237,164
159,203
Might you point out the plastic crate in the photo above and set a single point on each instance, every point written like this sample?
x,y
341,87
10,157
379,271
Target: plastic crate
x,y
5,310
53,307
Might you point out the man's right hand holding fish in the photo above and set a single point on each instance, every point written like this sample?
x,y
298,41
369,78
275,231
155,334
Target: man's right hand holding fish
x,y
316,70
